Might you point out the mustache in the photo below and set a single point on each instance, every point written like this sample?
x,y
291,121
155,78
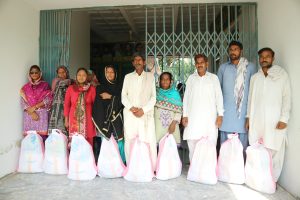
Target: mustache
x,y
234,56
201,67
268,65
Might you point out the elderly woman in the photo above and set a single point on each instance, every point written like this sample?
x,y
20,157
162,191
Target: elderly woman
x,y
107,111
78,105
36,100
59,87
92,78
168,108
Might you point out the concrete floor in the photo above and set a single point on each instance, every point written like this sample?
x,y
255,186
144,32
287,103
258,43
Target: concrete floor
x,y
43,187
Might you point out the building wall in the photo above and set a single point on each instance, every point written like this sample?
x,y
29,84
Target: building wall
x,y
80,42
278,28
59,4
19,49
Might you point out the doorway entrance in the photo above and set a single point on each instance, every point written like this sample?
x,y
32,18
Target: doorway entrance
x,y
170,36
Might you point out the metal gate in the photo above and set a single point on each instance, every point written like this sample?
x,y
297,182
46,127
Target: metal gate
x,y
176,33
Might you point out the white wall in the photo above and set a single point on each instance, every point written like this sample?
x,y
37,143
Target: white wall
x,y
80,42
59,4
19,40
279,28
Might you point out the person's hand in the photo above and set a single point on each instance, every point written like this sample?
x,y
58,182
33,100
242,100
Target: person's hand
x,y
281,125
105,95
133,109
31,109
219,121
172,127
139,113
34,116
184,121
247,124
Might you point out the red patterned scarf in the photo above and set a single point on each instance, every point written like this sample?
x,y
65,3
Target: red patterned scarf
x,y
80,111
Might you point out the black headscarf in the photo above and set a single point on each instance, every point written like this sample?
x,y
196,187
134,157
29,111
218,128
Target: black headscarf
x,y
102,107
111,87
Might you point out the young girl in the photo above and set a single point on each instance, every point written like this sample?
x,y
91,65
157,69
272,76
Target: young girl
x,y
168,108
79,101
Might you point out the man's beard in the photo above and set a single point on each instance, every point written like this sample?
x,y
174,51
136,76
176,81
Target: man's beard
x,y
201,68
138,66
267,66
234,57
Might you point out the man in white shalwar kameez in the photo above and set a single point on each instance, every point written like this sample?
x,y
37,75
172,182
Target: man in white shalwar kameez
x,y
202,105
269,108
139,98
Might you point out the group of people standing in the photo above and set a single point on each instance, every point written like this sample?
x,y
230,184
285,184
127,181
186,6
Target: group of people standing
x,y
256,105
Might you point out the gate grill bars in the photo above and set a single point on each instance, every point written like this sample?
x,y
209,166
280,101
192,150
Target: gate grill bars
x,y
176,33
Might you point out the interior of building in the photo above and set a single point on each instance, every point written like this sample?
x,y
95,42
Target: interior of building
x,y
94,34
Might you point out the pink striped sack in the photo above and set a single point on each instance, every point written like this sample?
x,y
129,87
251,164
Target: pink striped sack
x,y
204,163
231,161
32,153
81,160
168,163
139,167
259,169
56,153
110,164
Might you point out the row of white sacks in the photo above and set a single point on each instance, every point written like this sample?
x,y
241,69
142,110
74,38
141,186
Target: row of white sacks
x,y
204,168
80,164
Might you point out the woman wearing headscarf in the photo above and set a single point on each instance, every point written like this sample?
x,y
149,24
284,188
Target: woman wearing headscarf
x,y
59,87
78,105
92,78
107,111
168,108
36,100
